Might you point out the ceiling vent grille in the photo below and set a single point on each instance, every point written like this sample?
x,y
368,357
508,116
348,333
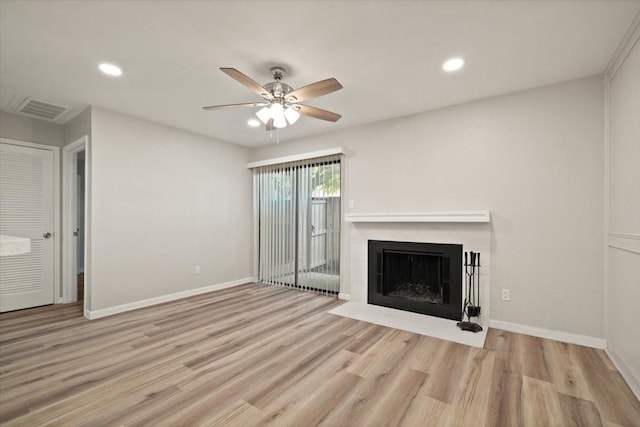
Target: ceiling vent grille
x,y
42,109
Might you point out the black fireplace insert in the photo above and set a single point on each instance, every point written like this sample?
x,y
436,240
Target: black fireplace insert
x,y
420,277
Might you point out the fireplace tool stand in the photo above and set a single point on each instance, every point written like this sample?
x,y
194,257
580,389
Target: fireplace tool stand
x,y
472,300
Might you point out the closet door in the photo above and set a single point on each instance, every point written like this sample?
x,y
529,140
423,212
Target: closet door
x,y
26,210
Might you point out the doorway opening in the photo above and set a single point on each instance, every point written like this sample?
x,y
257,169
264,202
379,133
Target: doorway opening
x,y
80,223
75,240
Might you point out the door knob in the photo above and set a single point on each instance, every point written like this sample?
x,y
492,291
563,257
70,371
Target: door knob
x,y
46,235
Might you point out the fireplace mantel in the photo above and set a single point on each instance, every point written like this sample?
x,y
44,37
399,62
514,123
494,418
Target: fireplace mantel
x,y
451,216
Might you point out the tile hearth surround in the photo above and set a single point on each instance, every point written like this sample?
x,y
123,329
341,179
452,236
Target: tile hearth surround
x,y
474,236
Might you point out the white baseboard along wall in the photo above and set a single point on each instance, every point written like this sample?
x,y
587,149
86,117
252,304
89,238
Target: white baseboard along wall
x,y
104,312
627,373
567,337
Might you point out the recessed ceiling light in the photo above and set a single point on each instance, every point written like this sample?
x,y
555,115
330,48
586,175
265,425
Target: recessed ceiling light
x,y
253,123
110,69
453,64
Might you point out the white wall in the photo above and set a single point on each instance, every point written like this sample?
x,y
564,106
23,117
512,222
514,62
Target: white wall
x,y
78,127
163,201
623,284
22,128
533,158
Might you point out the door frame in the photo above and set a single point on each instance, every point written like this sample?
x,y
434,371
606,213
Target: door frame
x,y
69,211
57,292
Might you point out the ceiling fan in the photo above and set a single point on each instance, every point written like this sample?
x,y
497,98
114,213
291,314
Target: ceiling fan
x,y
280,105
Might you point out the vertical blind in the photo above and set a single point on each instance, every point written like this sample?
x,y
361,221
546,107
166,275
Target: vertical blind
x,y
299,224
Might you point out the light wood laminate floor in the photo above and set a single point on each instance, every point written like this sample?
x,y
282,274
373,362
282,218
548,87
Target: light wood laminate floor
x,y
259,355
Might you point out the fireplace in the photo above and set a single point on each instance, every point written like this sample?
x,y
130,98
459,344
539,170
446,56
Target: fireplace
x,y
420,277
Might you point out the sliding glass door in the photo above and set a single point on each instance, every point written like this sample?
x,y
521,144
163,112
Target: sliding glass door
x,y
299,225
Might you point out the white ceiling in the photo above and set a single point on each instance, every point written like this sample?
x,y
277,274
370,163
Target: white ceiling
x,y
386,54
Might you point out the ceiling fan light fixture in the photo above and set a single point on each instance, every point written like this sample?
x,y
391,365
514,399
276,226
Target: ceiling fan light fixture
x,y
264,114
291,115
277,114
279,122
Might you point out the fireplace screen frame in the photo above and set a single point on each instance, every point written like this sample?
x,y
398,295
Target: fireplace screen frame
x,y
451,310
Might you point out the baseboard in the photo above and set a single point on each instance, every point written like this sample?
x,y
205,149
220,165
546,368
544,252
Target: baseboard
x,y
346,297
550,334
627,373
103,312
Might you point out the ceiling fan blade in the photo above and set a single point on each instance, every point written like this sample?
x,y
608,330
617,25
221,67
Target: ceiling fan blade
x,y
247,82
227,106
314,90
318,113
269,126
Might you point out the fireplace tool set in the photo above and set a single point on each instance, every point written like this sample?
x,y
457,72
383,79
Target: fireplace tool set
x,y
472,300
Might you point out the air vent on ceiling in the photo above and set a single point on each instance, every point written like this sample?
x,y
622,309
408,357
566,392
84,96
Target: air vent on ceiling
x,y
42,109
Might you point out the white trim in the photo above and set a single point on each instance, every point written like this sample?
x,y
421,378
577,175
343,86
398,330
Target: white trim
x,y
549,334
88,269
629,40
29,144
57,247
296,157
96,314
622,248
453,216
69,244
625,235
343,296
605,224
627,373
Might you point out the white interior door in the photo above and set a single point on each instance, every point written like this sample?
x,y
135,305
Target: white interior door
x,y
26,210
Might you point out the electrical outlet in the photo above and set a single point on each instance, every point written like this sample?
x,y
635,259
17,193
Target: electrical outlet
x,y
351,204
505,295
197,269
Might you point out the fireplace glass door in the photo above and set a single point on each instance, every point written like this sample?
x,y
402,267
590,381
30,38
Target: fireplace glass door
x,y
414,276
